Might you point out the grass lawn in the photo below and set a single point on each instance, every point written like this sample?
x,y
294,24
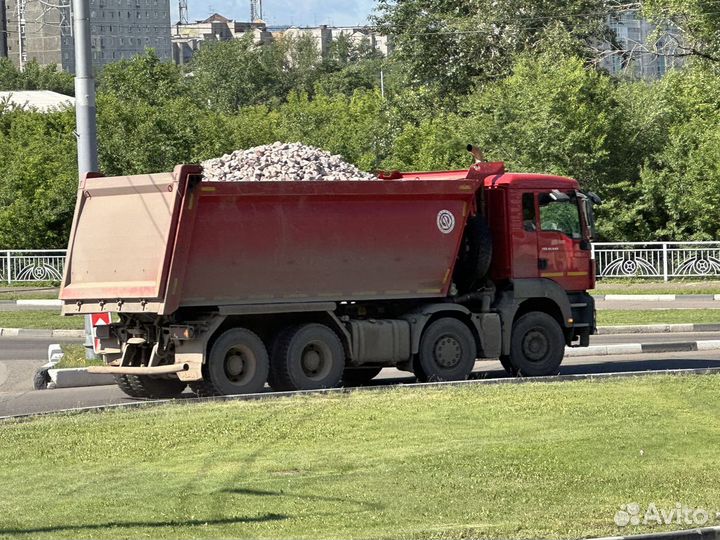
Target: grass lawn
x,y
613,317
645,286
50,320
29,291
74,357
528,461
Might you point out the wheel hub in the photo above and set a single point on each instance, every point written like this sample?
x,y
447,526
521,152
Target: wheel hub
x,y
448,352
535,345
234,365
239,365
311,360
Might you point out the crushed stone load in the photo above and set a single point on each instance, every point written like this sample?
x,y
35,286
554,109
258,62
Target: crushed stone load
x,y
281,162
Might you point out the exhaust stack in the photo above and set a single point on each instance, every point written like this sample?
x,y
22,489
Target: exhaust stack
x,y
477,153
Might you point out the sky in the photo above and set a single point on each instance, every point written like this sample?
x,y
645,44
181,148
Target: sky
x,y
284,12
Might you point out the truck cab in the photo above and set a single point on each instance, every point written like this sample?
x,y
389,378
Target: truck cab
x,y
541,229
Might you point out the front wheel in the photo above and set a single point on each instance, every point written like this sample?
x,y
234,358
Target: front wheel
x,y
447,351
537,345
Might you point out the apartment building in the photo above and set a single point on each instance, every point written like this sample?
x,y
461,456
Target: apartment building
x,y
119,29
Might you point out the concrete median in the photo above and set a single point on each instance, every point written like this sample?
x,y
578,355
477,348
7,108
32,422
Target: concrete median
x,y
77,377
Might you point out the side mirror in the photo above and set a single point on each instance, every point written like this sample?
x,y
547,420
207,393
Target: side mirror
x,y
597,201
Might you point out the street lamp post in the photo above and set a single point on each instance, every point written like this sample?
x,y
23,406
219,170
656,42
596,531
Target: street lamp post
x,y
84,90
85,113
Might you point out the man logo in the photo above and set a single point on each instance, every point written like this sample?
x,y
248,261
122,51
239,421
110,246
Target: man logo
x,y
445,221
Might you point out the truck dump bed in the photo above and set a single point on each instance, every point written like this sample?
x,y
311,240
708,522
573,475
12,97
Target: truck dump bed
x,y
155,243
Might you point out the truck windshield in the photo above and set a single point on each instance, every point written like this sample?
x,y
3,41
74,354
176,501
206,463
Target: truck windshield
x,y
561,216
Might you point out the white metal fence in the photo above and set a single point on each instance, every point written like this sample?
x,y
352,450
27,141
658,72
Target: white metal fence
x,y
657,259
31,265
614,260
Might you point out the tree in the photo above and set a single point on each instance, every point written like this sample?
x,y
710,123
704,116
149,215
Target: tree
x,y
698,20
145,77
551,115
455,44
35,77
231,74
38,183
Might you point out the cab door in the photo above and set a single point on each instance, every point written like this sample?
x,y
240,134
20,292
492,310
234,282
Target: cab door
x,y
563,251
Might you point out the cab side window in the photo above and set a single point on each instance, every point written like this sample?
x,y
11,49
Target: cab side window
x,y
560,216
528,208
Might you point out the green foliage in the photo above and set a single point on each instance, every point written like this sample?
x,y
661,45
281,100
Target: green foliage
x,y
511,76
35,77
454,44
228,75
551,115
143,78
699,21
39,178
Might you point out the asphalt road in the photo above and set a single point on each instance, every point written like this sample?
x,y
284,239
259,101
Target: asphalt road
x,y
19,357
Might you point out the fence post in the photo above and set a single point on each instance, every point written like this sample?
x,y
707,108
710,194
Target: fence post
x,y
9,269
665,261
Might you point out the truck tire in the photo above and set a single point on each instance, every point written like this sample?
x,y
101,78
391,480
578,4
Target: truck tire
x,y
123,382
475,256
41,379
307,357
447,351
143,386
238,364
537,345
507,366
359,376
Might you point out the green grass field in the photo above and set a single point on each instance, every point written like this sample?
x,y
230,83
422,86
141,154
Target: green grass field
x,y
611,317
74,357
645,286
29,291
49,319
523,461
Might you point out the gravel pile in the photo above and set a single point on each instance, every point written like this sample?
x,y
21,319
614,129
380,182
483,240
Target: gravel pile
x,y
281,162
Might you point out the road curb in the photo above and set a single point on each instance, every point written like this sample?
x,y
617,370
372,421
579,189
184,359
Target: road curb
x,y
30,332
656,297
658,328
77,377
642,348
45,303
706,533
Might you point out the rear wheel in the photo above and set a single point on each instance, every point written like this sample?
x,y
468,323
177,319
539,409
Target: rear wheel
x,y
537,345
144,386
307,357
358,376
447,351
41,379
238,364
123,382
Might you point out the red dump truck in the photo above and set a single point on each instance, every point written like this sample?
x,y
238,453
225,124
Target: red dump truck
x,y
227,286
